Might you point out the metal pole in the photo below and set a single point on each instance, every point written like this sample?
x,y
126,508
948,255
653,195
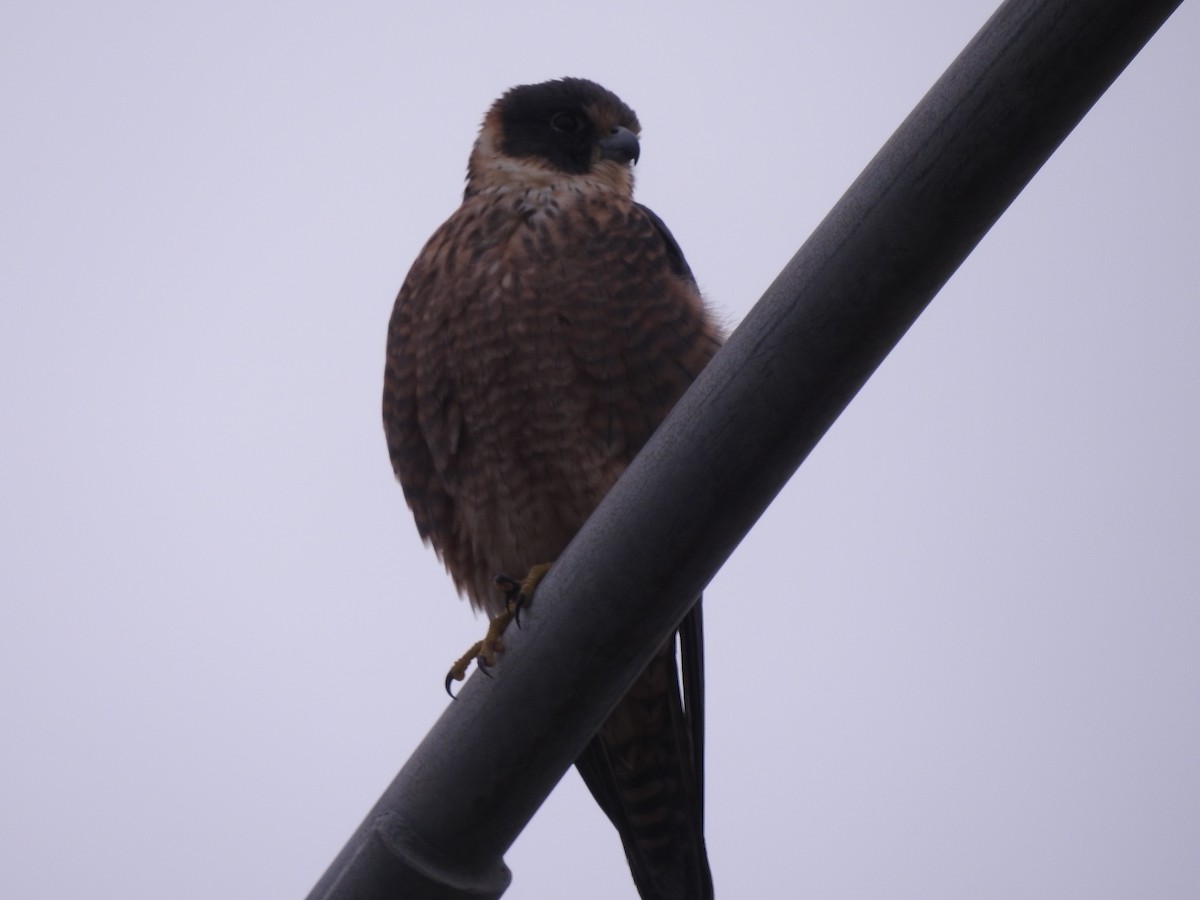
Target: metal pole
x,y
830,318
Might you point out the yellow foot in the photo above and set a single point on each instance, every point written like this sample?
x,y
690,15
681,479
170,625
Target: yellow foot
x,y
516,595
485,651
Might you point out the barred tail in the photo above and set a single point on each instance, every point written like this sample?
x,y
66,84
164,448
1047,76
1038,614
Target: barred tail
x,y
645,768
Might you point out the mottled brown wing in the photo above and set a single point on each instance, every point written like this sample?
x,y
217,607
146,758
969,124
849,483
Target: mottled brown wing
x,y
405,388
645,766
645,337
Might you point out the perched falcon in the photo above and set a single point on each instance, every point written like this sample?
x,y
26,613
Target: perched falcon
x,y
542,334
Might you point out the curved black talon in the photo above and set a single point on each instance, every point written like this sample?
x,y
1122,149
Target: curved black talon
x,y
514,597
482,666
449,681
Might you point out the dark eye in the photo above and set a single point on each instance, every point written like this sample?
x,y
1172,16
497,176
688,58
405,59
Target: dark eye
x,y
567,122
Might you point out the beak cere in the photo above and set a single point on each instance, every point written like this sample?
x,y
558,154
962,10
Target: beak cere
x,y
621,146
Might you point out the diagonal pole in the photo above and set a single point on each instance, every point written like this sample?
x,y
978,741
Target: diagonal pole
x,y
847,297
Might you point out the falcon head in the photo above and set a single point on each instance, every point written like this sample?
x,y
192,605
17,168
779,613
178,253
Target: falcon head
x,y
541,134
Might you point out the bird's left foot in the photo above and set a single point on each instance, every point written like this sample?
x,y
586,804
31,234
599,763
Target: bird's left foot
x,y
517,595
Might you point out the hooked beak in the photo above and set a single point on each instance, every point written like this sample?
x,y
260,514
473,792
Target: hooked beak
x,y
621,146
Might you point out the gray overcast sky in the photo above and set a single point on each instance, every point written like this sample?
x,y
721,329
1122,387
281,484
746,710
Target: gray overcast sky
x,y
957,658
